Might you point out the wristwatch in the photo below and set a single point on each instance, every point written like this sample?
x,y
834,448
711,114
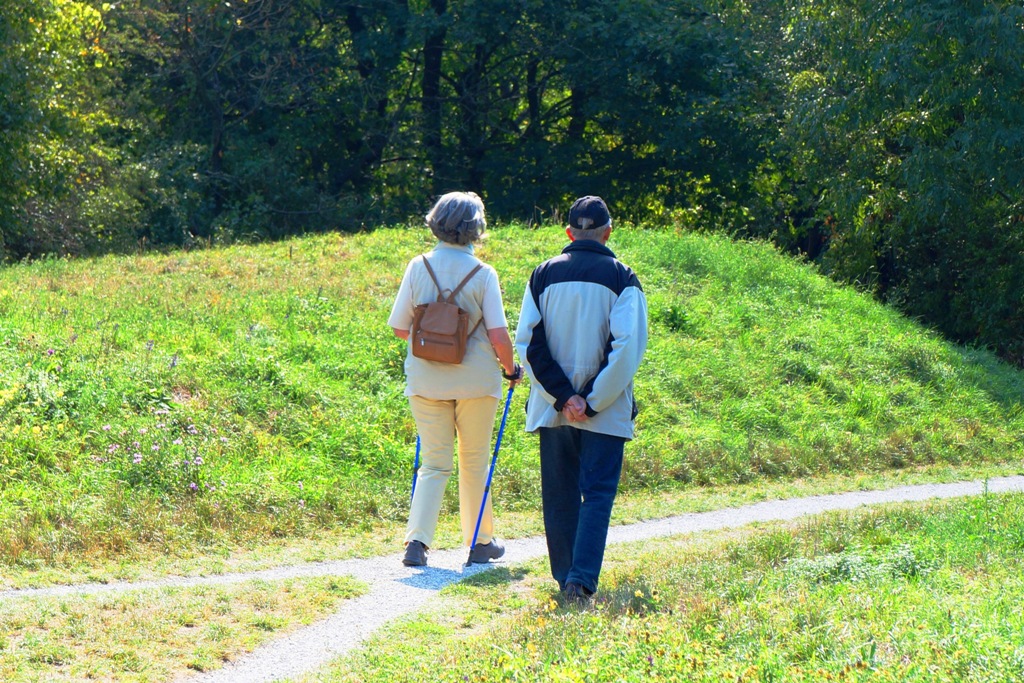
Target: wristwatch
x,y
517,373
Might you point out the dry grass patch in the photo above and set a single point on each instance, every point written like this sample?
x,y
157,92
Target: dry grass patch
x,y
157,634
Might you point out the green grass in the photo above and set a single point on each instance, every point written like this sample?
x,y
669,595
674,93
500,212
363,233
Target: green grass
x,y
155,634
240,405
905,593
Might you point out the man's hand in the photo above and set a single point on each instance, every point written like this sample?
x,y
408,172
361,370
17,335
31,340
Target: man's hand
x,y
575,409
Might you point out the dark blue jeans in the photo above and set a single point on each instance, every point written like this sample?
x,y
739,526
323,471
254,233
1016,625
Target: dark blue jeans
x,y
579,479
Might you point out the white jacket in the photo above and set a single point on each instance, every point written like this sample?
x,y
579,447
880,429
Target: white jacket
x,y
583,330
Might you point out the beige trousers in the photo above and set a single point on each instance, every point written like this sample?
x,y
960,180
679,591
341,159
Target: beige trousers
x,y
438,423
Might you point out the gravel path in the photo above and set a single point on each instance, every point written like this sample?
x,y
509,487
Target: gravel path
x,y
396,591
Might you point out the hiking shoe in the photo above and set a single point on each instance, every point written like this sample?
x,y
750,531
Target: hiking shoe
x,y
576,595
485,552
415,554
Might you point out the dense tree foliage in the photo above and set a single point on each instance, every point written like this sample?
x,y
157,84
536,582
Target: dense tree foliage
x,y
880,138
48,123
906,118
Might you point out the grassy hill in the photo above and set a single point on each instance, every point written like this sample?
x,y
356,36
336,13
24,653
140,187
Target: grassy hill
x,y
190,404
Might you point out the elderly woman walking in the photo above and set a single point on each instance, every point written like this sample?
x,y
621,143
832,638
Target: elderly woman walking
x,y
449,399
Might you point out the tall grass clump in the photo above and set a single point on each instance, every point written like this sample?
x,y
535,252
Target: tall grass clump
x,y
174,401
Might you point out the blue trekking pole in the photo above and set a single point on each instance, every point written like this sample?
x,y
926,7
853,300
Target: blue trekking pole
x,y
415,469
490,474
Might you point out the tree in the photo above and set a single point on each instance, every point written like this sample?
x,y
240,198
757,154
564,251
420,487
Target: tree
x,y
48,50
911,124
540,101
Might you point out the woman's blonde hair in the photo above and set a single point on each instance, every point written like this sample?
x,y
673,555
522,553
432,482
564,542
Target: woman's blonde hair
x,y
457,218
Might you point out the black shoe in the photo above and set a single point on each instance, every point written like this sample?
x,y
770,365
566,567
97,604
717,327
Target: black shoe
x,y
577,595
485,552
415,555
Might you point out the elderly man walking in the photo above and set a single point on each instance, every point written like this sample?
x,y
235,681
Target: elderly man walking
x,y
582,334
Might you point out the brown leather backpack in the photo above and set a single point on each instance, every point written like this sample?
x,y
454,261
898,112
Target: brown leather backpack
x,y
440,329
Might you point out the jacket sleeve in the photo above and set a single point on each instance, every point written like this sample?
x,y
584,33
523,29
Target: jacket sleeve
x,y
626,346
532,348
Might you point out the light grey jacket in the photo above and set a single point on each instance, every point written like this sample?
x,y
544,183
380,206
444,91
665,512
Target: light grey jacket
x,y
583,330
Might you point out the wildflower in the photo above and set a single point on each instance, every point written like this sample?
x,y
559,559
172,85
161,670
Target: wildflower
x,y
155,447
112,448
193,486
137,458
50,352
223,439
198,460
174,361
143,430
149,345
302,503
300,485
160,425
161,411
106,428
178,442
191,429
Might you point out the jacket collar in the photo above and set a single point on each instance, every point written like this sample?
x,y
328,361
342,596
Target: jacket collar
x,y
588,245
468,248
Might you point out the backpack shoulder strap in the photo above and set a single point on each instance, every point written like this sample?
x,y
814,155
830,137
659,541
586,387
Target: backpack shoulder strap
x,y
462,284
433,277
